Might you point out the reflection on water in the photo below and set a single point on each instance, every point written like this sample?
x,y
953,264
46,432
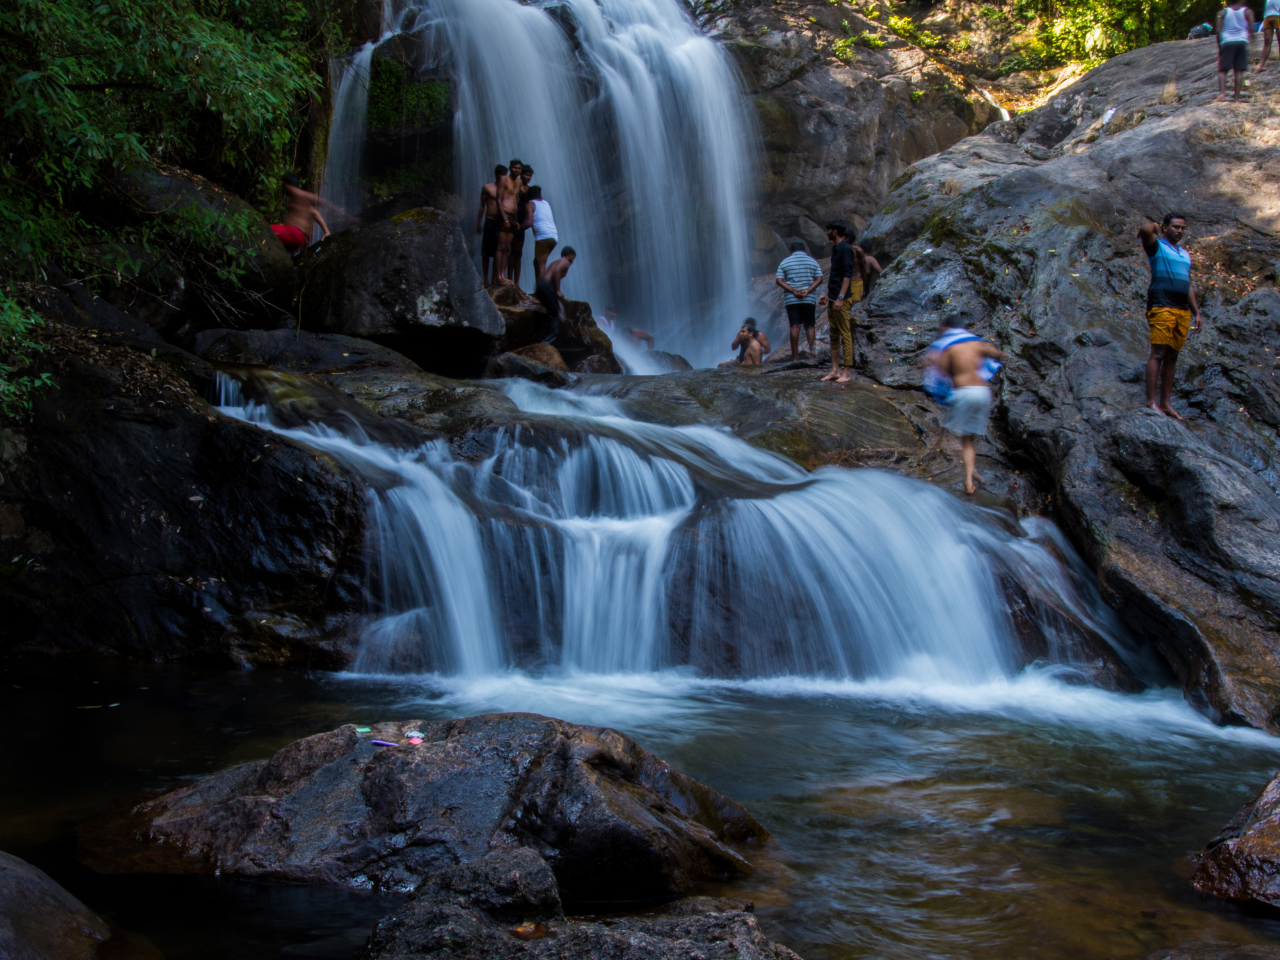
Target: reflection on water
x,y
1021,818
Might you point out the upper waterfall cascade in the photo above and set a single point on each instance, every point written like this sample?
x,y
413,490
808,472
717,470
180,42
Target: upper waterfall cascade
x,y
597,543
636,126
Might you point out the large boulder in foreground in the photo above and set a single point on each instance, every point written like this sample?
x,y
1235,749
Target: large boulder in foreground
x,y
39,920
582,345
613,821
1242,862
507,905
408,283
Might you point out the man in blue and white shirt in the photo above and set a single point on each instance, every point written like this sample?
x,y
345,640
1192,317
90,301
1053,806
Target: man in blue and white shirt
x,y
799,276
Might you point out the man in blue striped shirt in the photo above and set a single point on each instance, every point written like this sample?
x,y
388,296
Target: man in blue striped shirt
x,y
1172,311
799,276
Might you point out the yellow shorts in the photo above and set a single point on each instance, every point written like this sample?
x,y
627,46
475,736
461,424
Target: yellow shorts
x,y
1272,22
1169,326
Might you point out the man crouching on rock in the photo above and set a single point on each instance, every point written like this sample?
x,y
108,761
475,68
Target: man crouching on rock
x,y
1172,310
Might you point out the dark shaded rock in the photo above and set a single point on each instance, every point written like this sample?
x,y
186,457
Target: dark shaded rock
x,y
1242,862
543,353
41,921
526,323
506,365
507,905
174,198
299,351
1036,247
139,521
1201,950
672,362
408,283
612,820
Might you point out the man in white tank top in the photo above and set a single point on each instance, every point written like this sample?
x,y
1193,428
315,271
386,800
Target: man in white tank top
x,y
1235,23
1270,27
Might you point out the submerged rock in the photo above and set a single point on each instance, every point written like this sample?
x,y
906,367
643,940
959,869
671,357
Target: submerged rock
x,y
1029,232
408,283
508,905
1242,862
39,920
613,821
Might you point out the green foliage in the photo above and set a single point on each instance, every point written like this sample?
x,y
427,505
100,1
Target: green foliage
x,y
398,103
842,49
906,28
869,40
16,350
917,96
90,88
1093,30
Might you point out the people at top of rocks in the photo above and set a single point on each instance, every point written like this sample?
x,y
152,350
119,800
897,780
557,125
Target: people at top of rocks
x,y
543,223
799,276
1270,29
1235,23
522,225
487,223
751,343
302,209
636,335
509,187
844,284
959,367
1172,310
1200,31
548,292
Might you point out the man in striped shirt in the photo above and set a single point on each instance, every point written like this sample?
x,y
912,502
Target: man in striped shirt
x,y
1172,311
799,276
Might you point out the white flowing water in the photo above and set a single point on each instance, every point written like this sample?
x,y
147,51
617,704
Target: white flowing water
x,y
341,186
637,129
590,542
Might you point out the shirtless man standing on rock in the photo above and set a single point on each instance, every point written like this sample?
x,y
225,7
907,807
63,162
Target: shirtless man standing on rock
x,y
488,214
509,188
548,290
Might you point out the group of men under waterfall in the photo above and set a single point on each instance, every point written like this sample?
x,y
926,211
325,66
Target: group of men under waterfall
x,y
510,207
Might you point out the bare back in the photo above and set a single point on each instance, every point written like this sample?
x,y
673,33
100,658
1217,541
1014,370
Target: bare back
x,y
300,209
555,272
962,362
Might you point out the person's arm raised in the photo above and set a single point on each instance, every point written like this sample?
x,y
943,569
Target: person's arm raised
x,y
1149,234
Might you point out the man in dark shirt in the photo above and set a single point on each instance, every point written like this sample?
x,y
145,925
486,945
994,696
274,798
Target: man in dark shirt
x,y
838,306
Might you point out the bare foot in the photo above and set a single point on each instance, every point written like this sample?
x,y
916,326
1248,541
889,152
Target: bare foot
x,y
971,488
1156,407
843,378
829,376
1170,412
1220,98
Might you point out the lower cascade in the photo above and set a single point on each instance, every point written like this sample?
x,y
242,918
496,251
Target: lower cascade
x,y
592,542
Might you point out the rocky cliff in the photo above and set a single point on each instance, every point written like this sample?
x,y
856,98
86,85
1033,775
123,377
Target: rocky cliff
x,y
1028,230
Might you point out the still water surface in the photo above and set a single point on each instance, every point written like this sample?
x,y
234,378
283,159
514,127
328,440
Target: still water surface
x,y
1021,818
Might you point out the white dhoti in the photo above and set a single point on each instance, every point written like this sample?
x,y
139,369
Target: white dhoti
x,y
967,411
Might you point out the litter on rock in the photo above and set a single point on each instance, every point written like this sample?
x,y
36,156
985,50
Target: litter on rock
x,y
413,733
364,729
529,931
415,740
384,743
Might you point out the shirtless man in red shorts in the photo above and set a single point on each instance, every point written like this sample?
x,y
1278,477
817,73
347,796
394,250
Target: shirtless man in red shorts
x,y
303,209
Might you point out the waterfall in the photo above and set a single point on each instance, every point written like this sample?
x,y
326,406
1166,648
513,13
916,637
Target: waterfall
x,y
592,542
636,126
341,185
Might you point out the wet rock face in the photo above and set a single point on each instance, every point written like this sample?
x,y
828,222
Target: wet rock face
x,y
137,520
612,820
838,127
408,283
582,346
41,921
1242,862
1029,232
508,905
